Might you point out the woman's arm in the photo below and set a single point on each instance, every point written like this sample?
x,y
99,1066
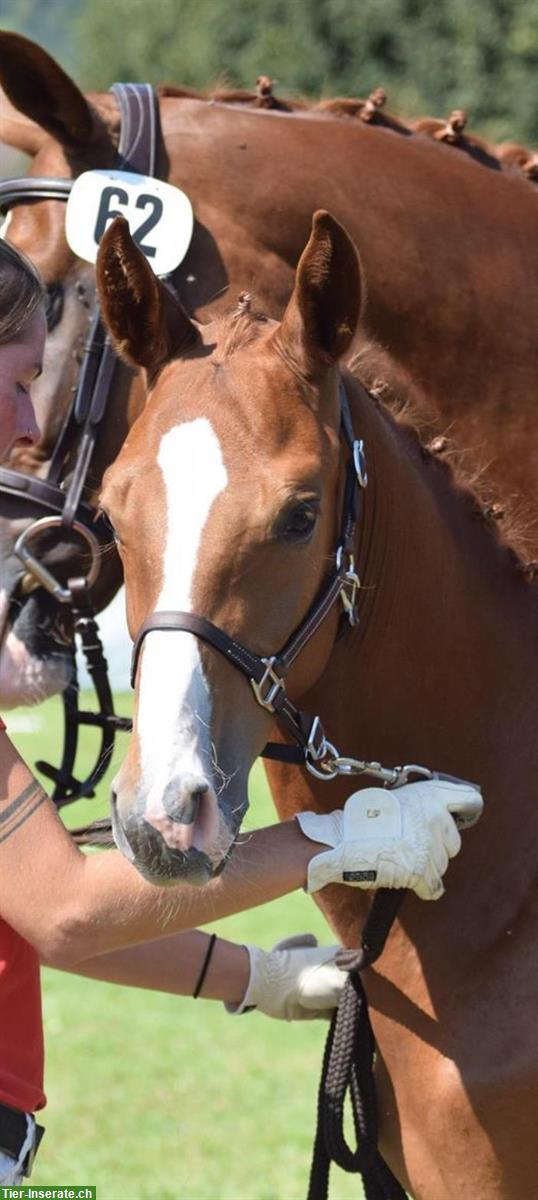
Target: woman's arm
x,y
73,906
173,964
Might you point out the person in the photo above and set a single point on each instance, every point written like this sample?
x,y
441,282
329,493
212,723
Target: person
x,y
95,915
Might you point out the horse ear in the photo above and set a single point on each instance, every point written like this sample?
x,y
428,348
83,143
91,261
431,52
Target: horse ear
x,y
39,88
17,130
146,322
322,315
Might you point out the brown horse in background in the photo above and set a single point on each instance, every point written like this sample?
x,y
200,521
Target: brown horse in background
x,y
227,501
449,249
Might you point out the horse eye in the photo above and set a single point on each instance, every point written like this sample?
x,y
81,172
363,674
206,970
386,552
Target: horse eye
x,y
54,305
298,523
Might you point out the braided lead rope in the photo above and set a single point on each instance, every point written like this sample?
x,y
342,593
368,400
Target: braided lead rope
x,y
348,1067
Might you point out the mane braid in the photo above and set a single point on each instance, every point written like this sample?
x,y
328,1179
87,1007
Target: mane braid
x,y
509,157
239,328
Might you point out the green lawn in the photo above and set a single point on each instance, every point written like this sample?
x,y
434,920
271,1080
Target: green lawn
x,y
156,1096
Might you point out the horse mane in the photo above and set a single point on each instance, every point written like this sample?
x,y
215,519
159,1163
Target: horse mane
x,y
506,524
370,110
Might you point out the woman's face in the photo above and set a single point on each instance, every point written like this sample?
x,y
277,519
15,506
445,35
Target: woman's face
x,y
20,363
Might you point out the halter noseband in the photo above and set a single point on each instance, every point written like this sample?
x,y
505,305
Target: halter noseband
x,y
62,507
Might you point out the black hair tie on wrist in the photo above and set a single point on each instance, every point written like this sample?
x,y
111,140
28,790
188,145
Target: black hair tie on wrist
x,y
205,965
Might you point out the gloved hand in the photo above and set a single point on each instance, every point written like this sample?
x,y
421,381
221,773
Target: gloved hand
x,y
297,980
400,838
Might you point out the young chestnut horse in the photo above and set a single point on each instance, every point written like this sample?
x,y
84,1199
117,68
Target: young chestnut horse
x,y
227,501
449,248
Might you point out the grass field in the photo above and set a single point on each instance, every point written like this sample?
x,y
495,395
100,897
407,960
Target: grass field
x,y
152,1096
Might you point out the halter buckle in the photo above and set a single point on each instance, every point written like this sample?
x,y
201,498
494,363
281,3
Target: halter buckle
x,y
269,686
349,585
359,462
316,746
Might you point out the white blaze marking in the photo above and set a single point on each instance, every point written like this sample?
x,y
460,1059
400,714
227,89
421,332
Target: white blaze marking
x,y
174,708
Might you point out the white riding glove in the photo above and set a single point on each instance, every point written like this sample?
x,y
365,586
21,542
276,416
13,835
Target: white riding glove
x,y
400,838
297,980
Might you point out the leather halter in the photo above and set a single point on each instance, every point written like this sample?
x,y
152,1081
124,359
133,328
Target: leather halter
x,y
61,506
266,675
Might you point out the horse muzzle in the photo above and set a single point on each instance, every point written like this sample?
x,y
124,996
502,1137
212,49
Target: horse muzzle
x,y
188,846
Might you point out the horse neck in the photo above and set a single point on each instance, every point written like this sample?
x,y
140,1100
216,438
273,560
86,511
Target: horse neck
x,y
440,672
445,643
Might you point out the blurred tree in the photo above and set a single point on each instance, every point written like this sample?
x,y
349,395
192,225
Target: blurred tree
x,y
430,55
50,23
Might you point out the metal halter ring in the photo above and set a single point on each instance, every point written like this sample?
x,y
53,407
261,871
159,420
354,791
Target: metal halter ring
x,y
41,573
322,761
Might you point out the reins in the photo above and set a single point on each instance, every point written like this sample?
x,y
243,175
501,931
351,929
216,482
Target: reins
x,y
62,503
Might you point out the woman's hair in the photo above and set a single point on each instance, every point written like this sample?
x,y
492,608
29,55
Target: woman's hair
x,y
21,291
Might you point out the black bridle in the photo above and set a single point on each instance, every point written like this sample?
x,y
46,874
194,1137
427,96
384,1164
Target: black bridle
x,y
57,504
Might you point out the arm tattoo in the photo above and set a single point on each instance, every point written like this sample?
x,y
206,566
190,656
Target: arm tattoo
x,y
20,809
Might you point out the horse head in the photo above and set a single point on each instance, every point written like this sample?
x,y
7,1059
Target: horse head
x,y
225,501
43,113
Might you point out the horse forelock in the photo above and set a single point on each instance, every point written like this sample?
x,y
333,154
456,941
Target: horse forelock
x,y
239,328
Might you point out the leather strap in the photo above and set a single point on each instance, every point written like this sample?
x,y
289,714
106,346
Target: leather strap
x,y
139,113
18,191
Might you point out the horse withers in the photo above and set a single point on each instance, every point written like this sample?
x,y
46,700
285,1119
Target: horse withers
x,y
227,501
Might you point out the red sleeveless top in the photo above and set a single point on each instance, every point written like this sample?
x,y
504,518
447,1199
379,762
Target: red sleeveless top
x,y
21,1024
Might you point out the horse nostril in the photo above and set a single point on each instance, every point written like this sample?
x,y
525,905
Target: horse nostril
x,y
182,802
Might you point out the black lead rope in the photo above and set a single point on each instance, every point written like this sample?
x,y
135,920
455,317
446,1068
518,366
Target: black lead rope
x,y
348,1064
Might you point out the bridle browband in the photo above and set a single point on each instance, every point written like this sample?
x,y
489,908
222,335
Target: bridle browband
x,y
60,505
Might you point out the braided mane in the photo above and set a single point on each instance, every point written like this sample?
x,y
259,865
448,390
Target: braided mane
x,y
451,131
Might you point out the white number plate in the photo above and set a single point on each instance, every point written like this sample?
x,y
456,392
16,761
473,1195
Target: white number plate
x,y
160,216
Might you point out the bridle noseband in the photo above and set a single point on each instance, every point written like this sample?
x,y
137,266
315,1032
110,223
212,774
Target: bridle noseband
x,y
61,506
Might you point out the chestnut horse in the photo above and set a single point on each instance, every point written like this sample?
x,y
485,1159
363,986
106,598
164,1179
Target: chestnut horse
x,y
227,502
449,248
